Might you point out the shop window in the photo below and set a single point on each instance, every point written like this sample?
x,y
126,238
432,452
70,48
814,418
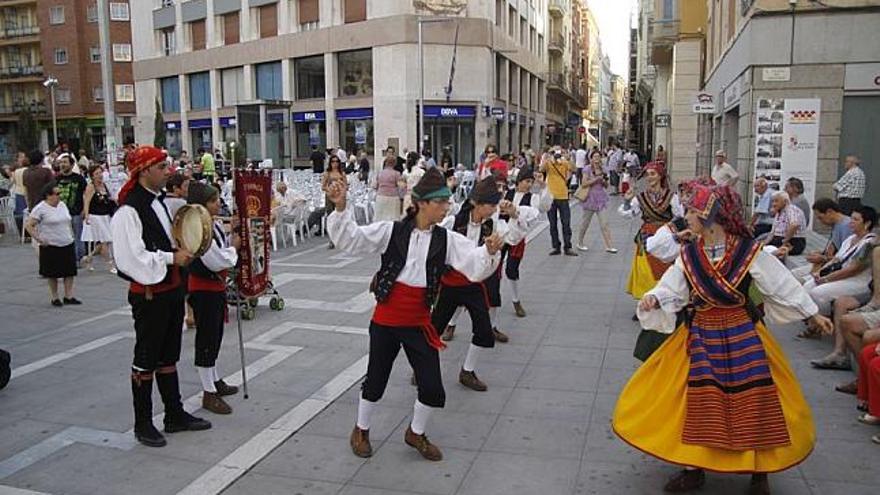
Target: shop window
x,y
355,70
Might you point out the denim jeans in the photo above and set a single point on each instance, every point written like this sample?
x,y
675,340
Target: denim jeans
x,y
77,236
560,207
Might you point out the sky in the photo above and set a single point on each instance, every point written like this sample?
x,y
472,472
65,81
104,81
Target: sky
x,y
613,18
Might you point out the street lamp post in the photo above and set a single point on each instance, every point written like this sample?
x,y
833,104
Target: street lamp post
x,y
421,21
51,83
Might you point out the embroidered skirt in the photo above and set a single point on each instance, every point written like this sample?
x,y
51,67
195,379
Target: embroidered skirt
x,y
663,412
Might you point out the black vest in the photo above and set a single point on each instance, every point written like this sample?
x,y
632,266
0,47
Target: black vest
x,y
152,232
394,259
463,218
525,201
198,268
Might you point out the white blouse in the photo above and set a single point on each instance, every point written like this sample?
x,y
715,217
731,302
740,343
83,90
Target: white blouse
x,y
540,200
511,232
635,209
473,262
663,245
53,224
785,300
218,258
129,251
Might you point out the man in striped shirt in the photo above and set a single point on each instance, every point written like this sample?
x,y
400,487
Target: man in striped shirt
x,y
851,186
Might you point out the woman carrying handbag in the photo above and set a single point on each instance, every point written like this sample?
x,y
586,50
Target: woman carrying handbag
x,y
594,201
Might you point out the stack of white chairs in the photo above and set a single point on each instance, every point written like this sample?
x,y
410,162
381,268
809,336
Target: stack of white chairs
x,y
7,217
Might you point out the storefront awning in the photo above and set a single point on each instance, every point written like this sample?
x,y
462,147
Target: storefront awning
x,y
354,114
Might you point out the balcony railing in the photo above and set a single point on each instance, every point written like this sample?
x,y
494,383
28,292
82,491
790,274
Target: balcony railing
x,y
13,32
556,43
665,31
557,8
21,71
34,106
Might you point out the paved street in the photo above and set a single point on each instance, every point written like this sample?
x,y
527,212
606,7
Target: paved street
x,y
542,428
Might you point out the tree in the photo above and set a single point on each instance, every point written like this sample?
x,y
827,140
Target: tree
x,y
28,134
159,127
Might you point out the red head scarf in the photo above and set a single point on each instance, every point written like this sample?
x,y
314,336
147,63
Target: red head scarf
x,y
138,160
720,204
660,168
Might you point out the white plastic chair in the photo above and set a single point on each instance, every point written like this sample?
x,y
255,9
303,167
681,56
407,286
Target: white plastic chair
x,y
7,216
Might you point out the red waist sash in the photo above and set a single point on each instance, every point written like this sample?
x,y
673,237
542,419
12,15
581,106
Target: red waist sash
x,y
518,251
405,307
454,278
173,283
202,284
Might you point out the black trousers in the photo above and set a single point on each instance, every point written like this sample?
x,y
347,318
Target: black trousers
x,y
511,264
158,324
560,209
798,244
847,205
385,343
209,309
762,228
473,298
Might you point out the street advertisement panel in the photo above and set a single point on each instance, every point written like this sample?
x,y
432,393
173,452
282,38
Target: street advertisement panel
x,y
787,142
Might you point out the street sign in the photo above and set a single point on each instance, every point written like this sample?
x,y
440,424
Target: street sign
x,y
663,120
582,130
498,113
704,103
776,74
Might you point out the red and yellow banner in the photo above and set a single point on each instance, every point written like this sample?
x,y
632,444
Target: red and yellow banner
x,y
253,205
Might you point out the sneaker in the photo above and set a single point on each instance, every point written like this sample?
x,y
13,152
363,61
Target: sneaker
x,y
420,442
360,442
869,419
211,401
611,250
570,252
469,379
555,252
72,300
582,248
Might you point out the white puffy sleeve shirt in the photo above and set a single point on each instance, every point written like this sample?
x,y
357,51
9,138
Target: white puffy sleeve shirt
x,y
785,300
129,251
461,254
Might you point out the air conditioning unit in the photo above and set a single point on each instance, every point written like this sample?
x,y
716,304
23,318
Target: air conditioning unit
x,y
168,3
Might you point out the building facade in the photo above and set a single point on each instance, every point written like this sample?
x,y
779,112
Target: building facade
x,y
59,39
330,73
767,52
565,87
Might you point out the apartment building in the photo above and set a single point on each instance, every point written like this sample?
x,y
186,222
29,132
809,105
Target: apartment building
x,y
59,39
566,94
280,76
768,51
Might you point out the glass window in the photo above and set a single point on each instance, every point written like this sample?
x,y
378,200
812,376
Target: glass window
x,y
56,14
98,94
121,52
119,11
60,56
125,92
310,134
199,91
309,77
355,71
233,86
170,88
95,55
92,13
201,139
269,81
169,41
62,96
356,135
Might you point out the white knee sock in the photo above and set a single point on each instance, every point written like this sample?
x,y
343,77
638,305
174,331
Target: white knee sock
x,y
514,290
473,354
493,317
454,321
216,375
206,375
365,410
421,414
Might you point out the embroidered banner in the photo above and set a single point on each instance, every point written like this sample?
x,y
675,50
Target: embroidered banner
x,y
253,205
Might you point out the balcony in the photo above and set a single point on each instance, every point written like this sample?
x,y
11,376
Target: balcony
x,y
663,35
557,8
18,31
37,107
556,44
21,73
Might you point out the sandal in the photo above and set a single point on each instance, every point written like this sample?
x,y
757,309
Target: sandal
x,y
869,420
832,363
809,333
876,439
848,388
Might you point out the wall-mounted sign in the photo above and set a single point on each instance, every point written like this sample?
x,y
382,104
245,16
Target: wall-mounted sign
x,y
662,120
318,115
862,77
511,117
776,74
733,93
498,113
447,112
704,103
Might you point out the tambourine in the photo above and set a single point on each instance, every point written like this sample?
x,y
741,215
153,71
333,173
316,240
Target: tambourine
x,y
192,229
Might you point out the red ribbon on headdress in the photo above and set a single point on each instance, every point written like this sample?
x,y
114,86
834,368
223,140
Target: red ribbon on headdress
x,y
722,205
138,160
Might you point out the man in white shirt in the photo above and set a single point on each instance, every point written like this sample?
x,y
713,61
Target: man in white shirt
x,y
343,156
288,200
762,218
722,173
580,160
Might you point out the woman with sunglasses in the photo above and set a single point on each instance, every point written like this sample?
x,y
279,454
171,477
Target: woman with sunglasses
x,y
49,225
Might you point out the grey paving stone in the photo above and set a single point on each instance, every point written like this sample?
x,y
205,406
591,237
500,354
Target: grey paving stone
x,y
312,457
503,474
399,467
566,378
542,438
456,430
549,404
555,355
265,484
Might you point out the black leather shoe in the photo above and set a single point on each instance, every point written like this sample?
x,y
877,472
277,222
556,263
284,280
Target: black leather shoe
x,y
570,252
184,421
148,435
223,389
555,252
72,300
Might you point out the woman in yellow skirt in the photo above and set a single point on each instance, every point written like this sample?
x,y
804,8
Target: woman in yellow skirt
x,y
719,394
